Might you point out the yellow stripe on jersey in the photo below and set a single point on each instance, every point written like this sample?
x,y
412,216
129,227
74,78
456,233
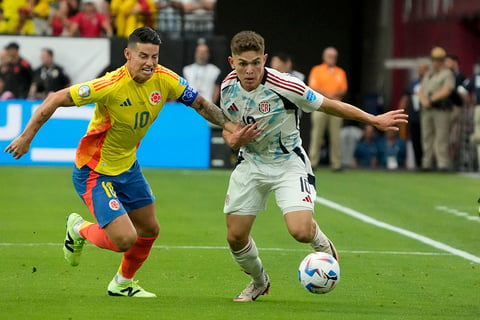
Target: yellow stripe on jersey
x,y
164,70
124,110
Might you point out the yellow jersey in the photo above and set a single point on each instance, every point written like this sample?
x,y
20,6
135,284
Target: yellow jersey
x,y
124,110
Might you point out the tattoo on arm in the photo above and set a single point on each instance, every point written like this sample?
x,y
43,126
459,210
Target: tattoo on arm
x,y
209,111
70,99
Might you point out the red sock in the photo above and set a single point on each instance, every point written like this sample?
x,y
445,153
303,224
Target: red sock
x,y
96,235
133,258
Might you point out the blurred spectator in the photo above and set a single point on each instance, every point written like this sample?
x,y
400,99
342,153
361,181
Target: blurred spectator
x,y
103,6
435,89
132,14
47,78
72,7
411,104
283,62
18,74
367,151
34,18
350,134
392,151
185,18
4,62
453,63
10,15
202,75
169,18
198,17
4,95
472,86
61,13
89,22
331,81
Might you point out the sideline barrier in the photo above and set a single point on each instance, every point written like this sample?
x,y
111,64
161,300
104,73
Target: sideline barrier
x,y
179,137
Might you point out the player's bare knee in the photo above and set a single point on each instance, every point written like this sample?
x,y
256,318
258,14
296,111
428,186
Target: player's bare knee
x,y
236,242
155,230
125,243
302,235
151,231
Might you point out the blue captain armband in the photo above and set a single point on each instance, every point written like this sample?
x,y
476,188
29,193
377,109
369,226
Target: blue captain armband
x,y
188,96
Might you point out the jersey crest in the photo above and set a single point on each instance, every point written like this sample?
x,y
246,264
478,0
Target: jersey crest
x,y
264,107
155,97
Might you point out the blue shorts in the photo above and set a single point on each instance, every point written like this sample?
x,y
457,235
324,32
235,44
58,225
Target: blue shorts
x,y
108,197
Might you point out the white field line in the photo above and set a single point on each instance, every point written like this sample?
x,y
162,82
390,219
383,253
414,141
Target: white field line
x,y
458,213
168,247
360,216
353,213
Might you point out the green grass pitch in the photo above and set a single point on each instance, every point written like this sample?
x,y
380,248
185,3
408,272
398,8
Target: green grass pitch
x,y
385,275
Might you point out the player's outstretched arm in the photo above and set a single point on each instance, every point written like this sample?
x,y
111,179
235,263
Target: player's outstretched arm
x,y
388,121
21,144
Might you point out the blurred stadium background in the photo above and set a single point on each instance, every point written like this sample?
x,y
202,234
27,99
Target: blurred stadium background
x,y
379,43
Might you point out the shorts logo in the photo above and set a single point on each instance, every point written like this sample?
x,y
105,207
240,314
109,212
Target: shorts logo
x,y
264,107
155,97
84,91
113,204
227,199
311,96
307,199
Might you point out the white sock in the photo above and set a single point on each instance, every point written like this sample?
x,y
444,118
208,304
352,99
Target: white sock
x,y
247,258
76,228
121,279
320,242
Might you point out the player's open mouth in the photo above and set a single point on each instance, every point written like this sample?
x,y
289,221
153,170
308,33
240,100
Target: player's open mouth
x,y
147,70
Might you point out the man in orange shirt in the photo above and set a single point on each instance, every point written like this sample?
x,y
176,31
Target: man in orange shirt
x,y
330,81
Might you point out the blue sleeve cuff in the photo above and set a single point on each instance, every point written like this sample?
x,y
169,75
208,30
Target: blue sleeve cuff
x,y
188,96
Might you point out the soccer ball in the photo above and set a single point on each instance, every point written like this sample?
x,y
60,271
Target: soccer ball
x,y
319,272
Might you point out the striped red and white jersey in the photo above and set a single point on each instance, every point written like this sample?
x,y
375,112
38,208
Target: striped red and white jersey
x,y
275,106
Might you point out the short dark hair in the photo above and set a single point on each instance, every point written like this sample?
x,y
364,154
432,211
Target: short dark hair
x,y
283,56
453,57
12,45
49,51
144,35
247,41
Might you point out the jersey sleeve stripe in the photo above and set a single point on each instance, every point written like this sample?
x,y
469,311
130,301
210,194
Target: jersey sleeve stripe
x,y
287,82
280,85
103,83
232,75
167,72
100,85
229,78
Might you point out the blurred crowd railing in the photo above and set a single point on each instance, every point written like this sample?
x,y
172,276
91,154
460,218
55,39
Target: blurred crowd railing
x,y
100,18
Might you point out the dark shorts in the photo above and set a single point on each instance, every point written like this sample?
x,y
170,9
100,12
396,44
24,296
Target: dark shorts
x,y
108,197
